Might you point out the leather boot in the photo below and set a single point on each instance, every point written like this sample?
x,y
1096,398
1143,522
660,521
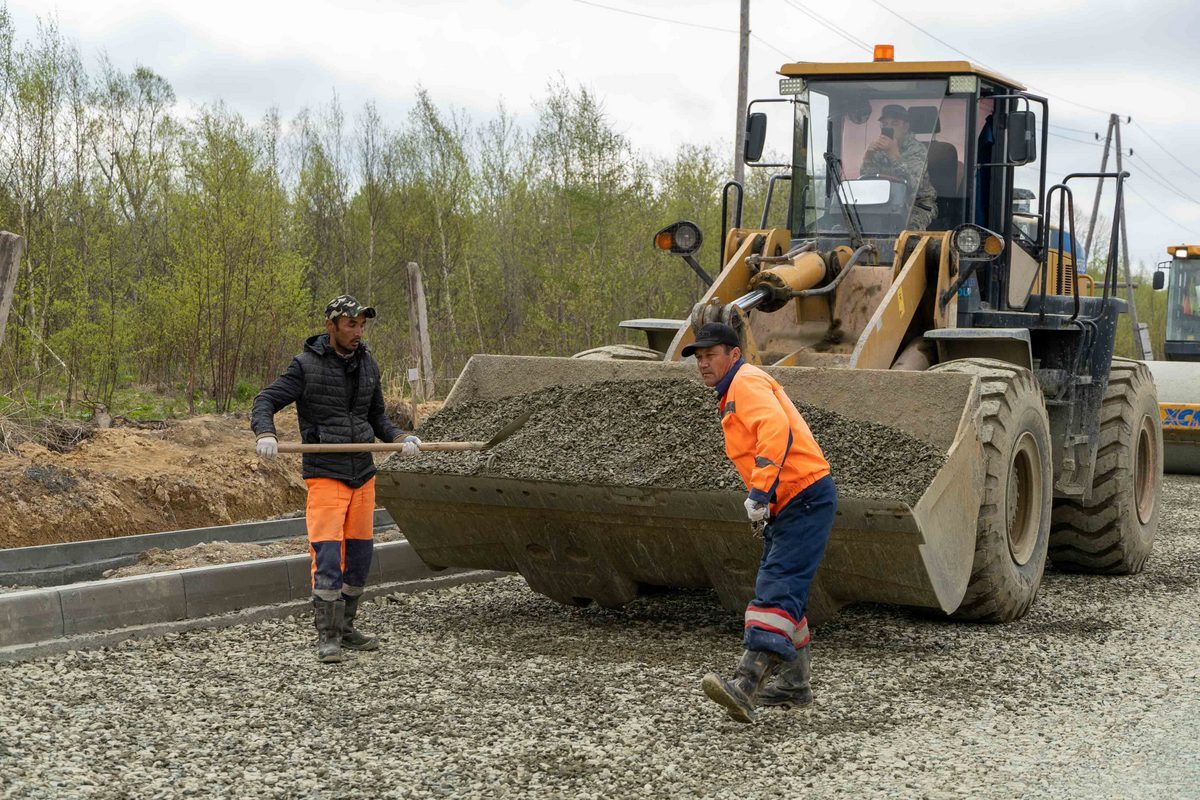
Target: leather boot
x,y
790,688
328,618
351,638
739,694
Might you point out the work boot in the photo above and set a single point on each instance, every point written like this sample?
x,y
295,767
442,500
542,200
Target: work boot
x,y
352,639
739,695
790,688
328,617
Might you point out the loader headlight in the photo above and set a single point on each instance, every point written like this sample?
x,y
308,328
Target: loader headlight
x,y
968,241
976,243
681,238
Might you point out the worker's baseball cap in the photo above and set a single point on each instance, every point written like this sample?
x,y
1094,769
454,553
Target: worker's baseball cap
x,y
713,333
893,111
346,306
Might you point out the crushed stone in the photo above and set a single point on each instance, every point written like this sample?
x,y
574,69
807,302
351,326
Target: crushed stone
x,y
658,434
492,691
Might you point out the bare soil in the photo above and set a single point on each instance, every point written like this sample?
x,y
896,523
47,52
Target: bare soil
x,y
122,481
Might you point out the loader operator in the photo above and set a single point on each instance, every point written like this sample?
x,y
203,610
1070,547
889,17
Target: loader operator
x,y
792,492
901,156
335,385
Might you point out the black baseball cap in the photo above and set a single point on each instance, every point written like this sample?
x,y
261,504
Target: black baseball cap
x,y
893,111
713,333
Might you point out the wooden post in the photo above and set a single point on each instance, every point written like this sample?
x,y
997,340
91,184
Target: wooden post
x,y
418,332
12,247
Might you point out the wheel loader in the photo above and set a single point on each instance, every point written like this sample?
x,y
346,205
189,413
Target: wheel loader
x,y
1178,376
974,333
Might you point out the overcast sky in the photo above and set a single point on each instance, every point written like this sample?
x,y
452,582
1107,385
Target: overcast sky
x,y
665,83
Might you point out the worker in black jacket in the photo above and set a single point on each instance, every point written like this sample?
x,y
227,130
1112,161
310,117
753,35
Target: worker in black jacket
x,y
335,385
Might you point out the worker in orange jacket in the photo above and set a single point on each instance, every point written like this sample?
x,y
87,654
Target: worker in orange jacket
x,y
792,495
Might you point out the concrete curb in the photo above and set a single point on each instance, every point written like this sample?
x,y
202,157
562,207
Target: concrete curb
x,y
97,613
55,564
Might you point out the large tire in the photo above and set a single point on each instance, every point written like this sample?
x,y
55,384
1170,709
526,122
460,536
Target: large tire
x,y
1113,532
1013,531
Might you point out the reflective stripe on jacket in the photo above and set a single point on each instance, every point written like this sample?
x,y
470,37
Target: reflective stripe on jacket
x,y
767,440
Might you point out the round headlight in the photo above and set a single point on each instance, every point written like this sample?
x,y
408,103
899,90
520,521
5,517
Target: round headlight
x,y
968,241
687,238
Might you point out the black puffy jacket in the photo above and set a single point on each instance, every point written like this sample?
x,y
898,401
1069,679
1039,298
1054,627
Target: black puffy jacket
x,y
338,400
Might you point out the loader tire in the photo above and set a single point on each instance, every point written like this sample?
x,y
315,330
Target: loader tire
x,y
620,352
1113,531
1013,531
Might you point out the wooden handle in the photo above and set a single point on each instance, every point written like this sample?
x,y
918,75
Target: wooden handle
x,y
377,447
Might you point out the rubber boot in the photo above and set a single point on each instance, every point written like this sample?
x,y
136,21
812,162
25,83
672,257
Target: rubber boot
x,y
739,695
328,617
790,688
352,639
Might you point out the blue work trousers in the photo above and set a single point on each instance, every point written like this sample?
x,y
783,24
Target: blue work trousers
x,y
793,545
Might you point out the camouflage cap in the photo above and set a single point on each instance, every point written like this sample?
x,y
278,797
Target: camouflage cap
x,y
346,306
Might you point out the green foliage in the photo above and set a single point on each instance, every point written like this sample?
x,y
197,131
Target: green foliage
x,y
194,253
1151,310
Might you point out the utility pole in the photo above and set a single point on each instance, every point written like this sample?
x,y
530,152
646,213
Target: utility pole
x,y
739,162
1141,332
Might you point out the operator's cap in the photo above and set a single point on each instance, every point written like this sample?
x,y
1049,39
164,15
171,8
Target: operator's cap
x,y
893,111
713,333
346,306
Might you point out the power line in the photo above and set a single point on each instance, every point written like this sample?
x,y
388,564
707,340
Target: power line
x,y
763,41
1073,102
1072,139
967,55
684,23
942,42
660,19
1073,130
1165,183
849,37
1161,212
1165,150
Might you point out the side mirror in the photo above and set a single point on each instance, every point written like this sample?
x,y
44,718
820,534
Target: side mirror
x,y
756,136
1160,280
1022,137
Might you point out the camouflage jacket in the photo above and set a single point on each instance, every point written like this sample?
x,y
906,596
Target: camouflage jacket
x,y
911,168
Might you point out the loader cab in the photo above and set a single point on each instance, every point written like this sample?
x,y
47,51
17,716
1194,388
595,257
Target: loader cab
x,y
1181,280
839,171
976,138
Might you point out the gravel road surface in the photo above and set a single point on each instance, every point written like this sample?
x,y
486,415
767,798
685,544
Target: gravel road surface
x,y
491,691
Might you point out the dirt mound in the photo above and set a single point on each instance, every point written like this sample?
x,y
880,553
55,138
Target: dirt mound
x,y
657,433
121,481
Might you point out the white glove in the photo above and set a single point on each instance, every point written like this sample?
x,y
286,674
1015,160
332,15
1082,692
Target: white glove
x,y
267,446
756,511
410,446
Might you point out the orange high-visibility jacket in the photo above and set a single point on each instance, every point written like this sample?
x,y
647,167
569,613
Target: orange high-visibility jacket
x,y
767,440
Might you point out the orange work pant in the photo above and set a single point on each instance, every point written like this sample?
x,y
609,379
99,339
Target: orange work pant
x,y
340,530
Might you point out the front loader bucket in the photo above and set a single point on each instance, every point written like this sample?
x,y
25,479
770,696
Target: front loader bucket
x,y
579,543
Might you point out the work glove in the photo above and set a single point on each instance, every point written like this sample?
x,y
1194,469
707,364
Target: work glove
x,y
410,446
267,446
756,511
